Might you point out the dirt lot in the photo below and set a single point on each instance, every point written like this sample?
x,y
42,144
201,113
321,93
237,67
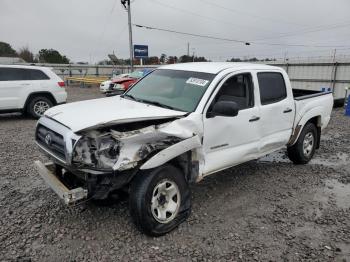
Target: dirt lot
x,y
263,210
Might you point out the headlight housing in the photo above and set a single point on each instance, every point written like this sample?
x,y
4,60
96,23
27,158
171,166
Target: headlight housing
x,y
100,152
119,87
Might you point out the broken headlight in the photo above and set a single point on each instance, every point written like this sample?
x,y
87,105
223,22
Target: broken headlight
x,y
97,151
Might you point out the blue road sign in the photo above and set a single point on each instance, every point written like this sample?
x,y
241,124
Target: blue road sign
x,y
140,51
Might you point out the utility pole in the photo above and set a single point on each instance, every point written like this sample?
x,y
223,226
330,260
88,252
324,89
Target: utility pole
x,y
126,4
334,55
188,49
285,57
334,70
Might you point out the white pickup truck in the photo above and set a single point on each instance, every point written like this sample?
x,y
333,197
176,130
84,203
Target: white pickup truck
x,y
177,125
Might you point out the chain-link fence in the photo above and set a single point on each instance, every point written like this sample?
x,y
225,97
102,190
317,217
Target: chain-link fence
x,y
304,74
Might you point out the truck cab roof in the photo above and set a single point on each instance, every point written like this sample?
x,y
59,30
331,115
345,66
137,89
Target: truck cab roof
x,y
216,67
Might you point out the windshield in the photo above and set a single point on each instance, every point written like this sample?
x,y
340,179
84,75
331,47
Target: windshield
x,y
179,90
136,74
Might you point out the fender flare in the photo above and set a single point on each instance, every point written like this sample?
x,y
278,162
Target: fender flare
x,y
171,152
314,112
39,93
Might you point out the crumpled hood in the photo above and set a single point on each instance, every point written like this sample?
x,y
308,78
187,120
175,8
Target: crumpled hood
x,y
97,112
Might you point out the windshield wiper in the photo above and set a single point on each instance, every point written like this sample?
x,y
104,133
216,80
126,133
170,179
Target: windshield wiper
x,y
155,103
131,96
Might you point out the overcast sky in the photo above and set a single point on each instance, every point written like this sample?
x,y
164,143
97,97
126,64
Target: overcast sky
x,y
87,30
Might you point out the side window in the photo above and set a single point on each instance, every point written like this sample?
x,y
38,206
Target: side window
x,y
18,74
2,74
11,74
239,89
35,74
272,87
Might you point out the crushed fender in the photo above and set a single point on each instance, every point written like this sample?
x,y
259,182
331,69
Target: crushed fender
x,y
119,149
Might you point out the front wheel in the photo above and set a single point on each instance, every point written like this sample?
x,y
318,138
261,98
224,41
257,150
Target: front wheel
x,y
160,200
303,150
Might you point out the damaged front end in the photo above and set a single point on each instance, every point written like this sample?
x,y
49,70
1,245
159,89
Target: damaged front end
x,y
106,158
117,149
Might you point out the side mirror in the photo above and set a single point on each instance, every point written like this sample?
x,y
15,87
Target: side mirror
x,y
224,108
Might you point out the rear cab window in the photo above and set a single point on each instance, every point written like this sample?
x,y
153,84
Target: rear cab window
x,y
272,87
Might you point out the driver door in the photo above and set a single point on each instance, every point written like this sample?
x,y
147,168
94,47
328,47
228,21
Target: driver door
x,y
229,141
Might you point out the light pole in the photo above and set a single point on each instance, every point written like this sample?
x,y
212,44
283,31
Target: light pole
x,y
193,52
126,4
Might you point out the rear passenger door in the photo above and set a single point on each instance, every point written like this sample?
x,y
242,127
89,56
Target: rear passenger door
x,y
38,80
11,84
276,110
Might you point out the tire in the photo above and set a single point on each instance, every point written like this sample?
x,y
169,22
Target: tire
x,y
158,186
339,102
300,154
38,105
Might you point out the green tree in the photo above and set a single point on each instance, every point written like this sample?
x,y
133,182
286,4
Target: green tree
x,y
52,56
200,59
254,59
152,60
163,58
185,59
234,60
172,59
7,50
26,55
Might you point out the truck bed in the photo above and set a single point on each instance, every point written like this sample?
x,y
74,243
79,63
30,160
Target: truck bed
x,y
300,94
309,103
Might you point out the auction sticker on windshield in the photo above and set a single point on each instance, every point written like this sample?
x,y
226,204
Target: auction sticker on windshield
x,y
197,81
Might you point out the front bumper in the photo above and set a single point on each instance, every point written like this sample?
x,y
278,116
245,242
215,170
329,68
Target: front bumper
x,y
104,89
69,196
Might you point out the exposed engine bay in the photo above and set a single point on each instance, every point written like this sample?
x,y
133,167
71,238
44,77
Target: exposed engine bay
x,y
123,146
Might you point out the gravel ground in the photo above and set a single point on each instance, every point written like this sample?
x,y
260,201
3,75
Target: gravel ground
x,y
263,210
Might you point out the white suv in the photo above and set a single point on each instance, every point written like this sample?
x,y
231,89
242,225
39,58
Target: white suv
x,y
30,89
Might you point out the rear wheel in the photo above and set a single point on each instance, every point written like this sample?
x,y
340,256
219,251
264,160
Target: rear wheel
x,y
303,150
38,105
160,200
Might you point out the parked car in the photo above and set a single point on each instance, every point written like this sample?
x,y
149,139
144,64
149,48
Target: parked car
x,y
107,86
175,126
30,89
122,84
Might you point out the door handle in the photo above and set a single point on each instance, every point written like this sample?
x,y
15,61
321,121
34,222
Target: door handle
x,y
25,84
254,118
287,110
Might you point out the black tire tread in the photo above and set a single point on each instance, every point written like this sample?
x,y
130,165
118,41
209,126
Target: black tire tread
x,y
138,191
33,100
295,152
